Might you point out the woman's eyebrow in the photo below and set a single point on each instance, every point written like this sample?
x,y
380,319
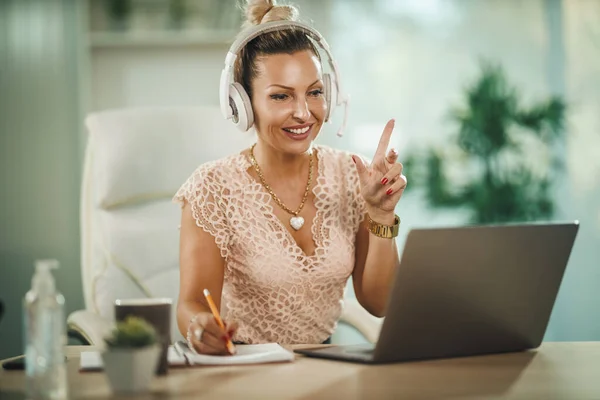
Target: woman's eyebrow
x,y
291,88
282,86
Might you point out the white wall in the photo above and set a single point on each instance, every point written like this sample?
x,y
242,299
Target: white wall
x,y
164,76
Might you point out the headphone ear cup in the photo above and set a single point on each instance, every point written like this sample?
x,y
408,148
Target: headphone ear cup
x,y
243,116
327,90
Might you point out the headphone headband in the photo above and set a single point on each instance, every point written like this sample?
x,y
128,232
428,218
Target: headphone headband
x,y
227,109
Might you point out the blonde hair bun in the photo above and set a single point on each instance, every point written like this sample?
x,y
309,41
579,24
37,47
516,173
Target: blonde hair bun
x,y
261,11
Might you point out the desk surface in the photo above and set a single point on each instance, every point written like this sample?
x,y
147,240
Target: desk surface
x,y
554,371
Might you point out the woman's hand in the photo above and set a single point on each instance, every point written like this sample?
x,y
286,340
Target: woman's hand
x,y
208,337
382,182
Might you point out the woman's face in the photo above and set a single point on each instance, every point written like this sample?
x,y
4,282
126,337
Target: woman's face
x,y
288,100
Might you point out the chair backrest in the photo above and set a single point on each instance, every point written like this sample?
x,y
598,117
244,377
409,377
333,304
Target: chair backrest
x,y
135,161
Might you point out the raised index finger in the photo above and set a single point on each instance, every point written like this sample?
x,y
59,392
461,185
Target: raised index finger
x,y
384,141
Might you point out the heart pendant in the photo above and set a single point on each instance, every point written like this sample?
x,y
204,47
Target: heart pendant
x,y
296,222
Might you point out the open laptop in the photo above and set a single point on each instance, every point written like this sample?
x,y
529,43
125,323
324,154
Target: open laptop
x,y
468,291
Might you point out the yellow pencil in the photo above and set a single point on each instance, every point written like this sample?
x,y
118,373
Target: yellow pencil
x,y
215,313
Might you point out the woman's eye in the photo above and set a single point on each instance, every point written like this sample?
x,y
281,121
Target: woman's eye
x,y
316,92
279,96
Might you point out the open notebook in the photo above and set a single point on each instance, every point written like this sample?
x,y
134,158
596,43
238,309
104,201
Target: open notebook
x,y
181,355
246,354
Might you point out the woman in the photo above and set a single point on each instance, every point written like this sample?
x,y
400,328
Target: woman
x,y
275,231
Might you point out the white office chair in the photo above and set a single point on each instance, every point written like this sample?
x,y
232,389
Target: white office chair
x,y
135,161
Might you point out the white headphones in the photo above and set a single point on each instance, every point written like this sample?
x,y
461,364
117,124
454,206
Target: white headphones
x,y
235,102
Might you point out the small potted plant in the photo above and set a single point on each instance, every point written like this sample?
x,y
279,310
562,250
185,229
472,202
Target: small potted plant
x,y
131,355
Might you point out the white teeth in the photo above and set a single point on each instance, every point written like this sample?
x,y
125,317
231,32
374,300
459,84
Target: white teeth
x,y
299,131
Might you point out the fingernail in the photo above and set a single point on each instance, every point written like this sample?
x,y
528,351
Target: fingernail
x,y
353,160
394,151
389,191
384,181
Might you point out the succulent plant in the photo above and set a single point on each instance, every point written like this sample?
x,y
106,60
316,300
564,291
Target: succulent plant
x,y
133,332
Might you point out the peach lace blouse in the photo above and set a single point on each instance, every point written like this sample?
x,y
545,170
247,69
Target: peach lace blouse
x,y
271,288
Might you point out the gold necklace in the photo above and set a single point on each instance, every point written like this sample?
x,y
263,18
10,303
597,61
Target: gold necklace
x,y
296,221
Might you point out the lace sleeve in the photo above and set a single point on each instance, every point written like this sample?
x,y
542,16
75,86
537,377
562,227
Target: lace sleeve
x,y
204,192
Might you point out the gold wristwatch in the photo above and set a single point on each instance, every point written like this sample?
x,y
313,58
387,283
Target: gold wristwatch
x,y
384,231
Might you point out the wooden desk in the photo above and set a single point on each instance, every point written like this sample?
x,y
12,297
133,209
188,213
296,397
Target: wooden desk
x,y
555,371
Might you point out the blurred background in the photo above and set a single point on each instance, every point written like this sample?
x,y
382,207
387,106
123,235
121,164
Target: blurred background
x,y
497,107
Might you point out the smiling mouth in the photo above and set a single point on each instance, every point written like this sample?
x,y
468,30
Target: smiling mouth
x,y
299,131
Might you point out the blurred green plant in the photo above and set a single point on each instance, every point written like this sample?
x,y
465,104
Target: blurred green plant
x,y
177,13
496,137
118,12
134,332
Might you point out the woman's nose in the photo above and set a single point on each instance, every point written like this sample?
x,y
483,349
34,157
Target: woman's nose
x,y
301,111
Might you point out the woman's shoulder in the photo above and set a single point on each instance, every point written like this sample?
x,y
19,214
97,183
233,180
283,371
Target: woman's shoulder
x,y
222,168
212,178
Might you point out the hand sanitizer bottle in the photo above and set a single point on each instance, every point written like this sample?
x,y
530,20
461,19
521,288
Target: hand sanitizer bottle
x,y
45,369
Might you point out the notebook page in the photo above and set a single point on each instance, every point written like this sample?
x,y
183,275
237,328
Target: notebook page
x,y
246,354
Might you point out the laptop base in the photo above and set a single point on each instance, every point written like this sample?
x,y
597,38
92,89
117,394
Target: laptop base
x,y
361,353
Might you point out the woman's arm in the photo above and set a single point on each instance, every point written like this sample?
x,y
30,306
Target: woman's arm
x,y
201,267
376,259
375,265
